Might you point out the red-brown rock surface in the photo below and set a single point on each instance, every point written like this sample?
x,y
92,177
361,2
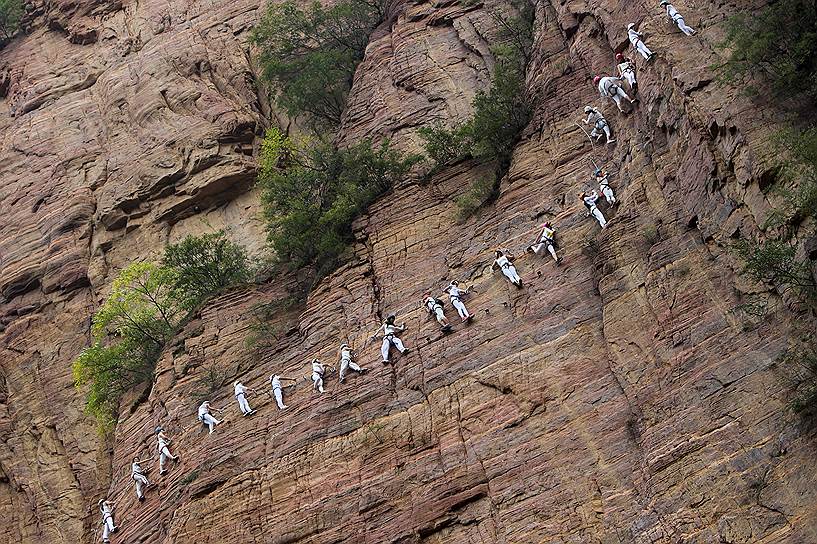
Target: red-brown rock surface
x,y
622,397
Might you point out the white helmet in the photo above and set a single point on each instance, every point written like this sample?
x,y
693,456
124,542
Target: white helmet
x,y
631,25
101,501
159,429
236,383
587,109
454,282
344,345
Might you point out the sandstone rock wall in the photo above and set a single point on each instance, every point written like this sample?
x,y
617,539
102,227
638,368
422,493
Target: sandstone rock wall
x,y
621,397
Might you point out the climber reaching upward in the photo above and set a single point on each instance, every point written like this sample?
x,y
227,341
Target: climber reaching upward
x,y
164,450
241,397
589,201
609,87
599,123
318,372
108,526
434,307
347,361
139,478
206,417
626,70
455,294
390,331
677,18
504,261
277,389
545,239
638,43
603,179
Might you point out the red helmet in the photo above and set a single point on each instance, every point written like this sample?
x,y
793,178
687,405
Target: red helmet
x,y
547,224
619,57
596,79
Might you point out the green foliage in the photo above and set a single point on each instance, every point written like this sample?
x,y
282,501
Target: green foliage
x,y
774,262
446,145
310,54
801,362
779,42
481,191
312,192
799,201
11,12
205,265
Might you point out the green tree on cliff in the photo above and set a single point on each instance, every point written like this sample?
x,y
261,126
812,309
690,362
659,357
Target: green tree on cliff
x,y
11,12
309,55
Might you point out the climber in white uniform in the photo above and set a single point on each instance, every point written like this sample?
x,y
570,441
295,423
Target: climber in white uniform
x,y
589,200
206,417
503,261
602,177
241,397
609,87
455,294
626,69
164,451
277,390
139,477
318,371
678,19
108,527
546,239
434,307
390,331
347,361
638,44
599,123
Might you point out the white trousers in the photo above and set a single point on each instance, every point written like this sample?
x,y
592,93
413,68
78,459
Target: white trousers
x,y
346,364
164,455
539,248
608,194
457,303
596,134
141,483
388,341
317,382
688,30
618,96
279,398
630,77
210,421
642,48
107,528
243,404
510,273
595,212
440,315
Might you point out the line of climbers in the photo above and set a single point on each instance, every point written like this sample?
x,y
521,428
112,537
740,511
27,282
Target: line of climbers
x,y
609,87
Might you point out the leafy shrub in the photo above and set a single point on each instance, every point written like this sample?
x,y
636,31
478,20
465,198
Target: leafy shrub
x,y
481,191
205,265
801,360
11,12
778,41
446,145
774,262
310,54
311,193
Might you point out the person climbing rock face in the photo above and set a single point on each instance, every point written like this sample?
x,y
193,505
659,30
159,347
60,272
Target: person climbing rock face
x,y
164,450
504,261
241,397
678,19
455,295
546,240
599,123
626,70
206,417
390,338
603,179
347,362
139,478
108,527
589,201
638,43
609,88
277,390
318,372
434,307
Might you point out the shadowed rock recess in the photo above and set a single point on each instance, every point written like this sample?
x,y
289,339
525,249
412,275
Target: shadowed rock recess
x,y
620,397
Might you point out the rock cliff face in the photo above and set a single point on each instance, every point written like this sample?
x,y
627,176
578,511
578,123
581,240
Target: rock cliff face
x,y
621,397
